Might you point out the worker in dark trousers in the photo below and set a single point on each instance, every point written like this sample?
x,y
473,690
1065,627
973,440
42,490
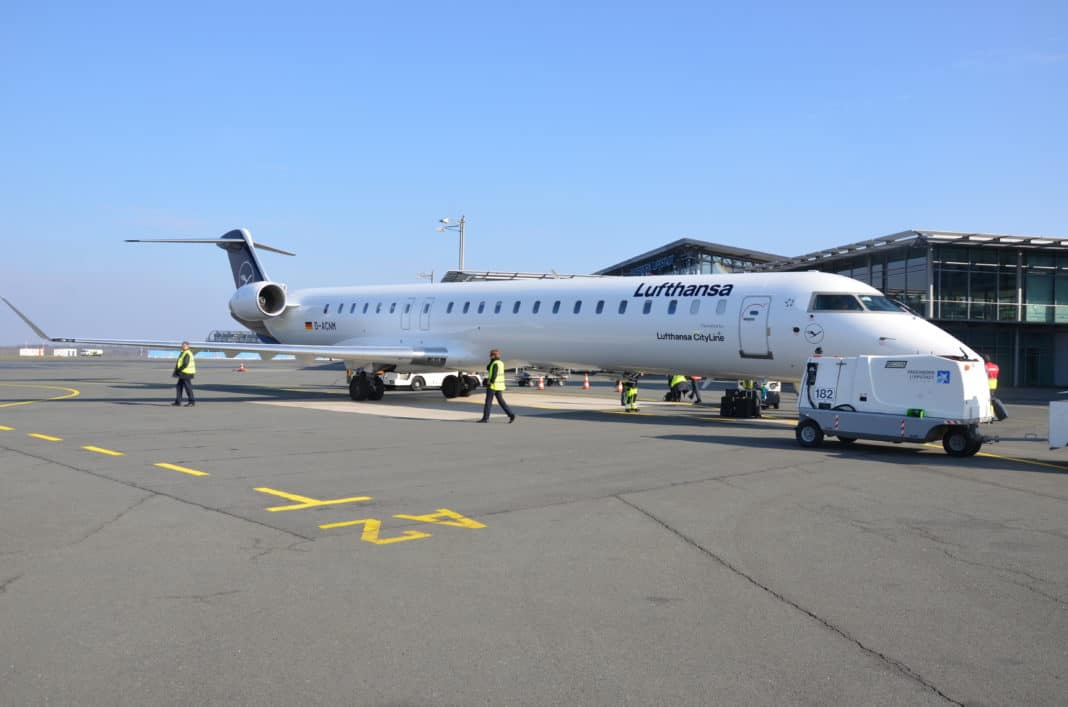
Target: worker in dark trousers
x,y
495,387
185,367
695,389
629,396
677,385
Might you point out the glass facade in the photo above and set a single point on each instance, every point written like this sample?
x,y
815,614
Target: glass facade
x,y
1005,296
690,257
1010,303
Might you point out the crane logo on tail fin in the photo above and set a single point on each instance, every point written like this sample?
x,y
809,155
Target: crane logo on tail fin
x,y
246,273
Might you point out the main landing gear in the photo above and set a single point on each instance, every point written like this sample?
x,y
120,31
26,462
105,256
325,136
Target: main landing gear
x,y
365,387
459,386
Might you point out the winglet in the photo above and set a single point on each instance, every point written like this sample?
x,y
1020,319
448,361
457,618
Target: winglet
x,y
36,329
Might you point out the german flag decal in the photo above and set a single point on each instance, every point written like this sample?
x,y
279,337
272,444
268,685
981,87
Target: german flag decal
x,y
308,326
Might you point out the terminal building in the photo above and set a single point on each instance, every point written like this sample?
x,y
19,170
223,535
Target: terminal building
x,y
1005,296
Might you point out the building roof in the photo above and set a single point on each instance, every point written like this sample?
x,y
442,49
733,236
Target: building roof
x,y
924,238
471,275
716,248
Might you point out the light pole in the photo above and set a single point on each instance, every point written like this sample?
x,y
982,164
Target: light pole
x,y
427,276
458,226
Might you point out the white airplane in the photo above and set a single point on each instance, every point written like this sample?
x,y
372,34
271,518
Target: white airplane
x,y
741,325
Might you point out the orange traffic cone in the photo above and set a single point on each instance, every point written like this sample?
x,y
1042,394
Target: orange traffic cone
x,y
585,381
241,368
619,386
541,382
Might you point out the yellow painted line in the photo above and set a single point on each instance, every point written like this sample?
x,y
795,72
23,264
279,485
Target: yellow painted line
x,y
183,469
306,502
5,428
1060,467
47,438
1033,462
71,393
101,450
371,529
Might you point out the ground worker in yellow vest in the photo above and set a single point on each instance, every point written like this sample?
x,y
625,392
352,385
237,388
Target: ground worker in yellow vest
x,y
495,387
629,396
678,385
185,367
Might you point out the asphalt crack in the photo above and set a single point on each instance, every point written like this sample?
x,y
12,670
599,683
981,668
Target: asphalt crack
x,y
893,663
4,584
139,487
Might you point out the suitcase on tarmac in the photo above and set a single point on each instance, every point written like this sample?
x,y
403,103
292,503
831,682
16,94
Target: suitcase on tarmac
x,y
726,406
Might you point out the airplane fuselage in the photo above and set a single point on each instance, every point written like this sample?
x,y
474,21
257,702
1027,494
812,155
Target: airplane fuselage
x,y
730,325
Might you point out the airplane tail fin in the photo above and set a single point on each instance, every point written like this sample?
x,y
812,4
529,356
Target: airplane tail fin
x,y
239,247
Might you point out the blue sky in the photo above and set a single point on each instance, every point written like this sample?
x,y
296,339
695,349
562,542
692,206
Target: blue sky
x,y
573,135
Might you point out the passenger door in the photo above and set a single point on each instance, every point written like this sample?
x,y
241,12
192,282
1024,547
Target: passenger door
x,y
406,314
424,313
753,327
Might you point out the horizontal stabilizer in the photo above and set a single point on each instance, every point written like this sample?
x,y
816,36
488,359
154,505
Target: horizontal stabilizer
x,y
215,241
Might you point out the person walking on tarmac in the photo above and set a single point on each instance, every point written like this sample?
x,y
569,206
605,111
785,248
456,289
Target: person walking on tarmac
x,y
185,367
495,386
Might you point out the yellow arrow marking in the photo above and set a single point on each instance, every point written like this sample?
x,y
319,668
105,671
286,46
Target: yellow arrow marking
x,y
5,428
184,470
101,450
307,502
47,438
371,528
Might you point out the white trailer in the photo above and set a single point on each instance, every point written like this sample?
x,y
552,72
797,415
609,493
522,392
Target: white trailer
x,y
1058,424
915,398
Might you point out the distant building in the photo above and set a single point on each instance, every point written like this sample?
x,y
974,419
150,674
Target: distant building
x,y
688,256
233,337
1004,295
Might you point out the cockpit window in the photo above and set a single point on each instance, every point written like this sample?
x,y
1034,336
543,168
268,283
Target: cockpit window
x,y
879,303
836,302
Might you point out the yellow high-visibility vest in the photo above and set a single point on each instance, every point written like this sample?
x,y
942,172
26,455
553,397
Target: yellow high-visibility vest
x,y
496,374
191,366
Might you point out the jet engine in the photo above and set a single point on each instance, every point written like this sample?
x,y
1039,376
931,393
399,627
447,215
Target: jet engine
x,y
257,301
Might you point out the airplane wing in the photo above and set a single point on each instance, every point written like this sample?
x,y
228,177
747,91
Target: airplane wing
x,y
406,355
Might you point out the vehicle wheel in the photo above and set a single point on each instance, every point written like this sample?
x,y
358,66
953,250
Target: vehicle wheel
x,y
417,384
809,434
472,383
450,387
975,447
377,389
846,440
957,441
359,388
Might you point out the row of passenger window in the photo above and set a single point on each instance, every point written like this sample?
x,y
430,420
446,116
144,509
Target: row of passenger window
x,y
647,307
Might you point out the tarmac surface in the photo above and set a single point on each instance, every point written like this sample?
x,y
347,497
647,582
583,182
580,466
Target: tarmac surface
x,y
279,544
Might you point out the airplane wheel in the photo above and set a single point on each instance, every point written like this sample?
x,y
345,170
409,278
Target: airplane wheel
x,y
417,384
377,389
471,383
809,434
959,442
450,387
359,388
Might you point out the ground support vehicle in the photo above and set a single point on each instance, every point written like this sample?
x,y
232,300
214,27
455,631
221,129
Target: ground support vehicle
x,y
368,386
1058,424
915,398
414,381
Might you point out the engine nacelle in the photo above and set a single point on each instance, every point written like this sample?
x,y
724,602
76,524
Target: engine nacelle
x,y
257,301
